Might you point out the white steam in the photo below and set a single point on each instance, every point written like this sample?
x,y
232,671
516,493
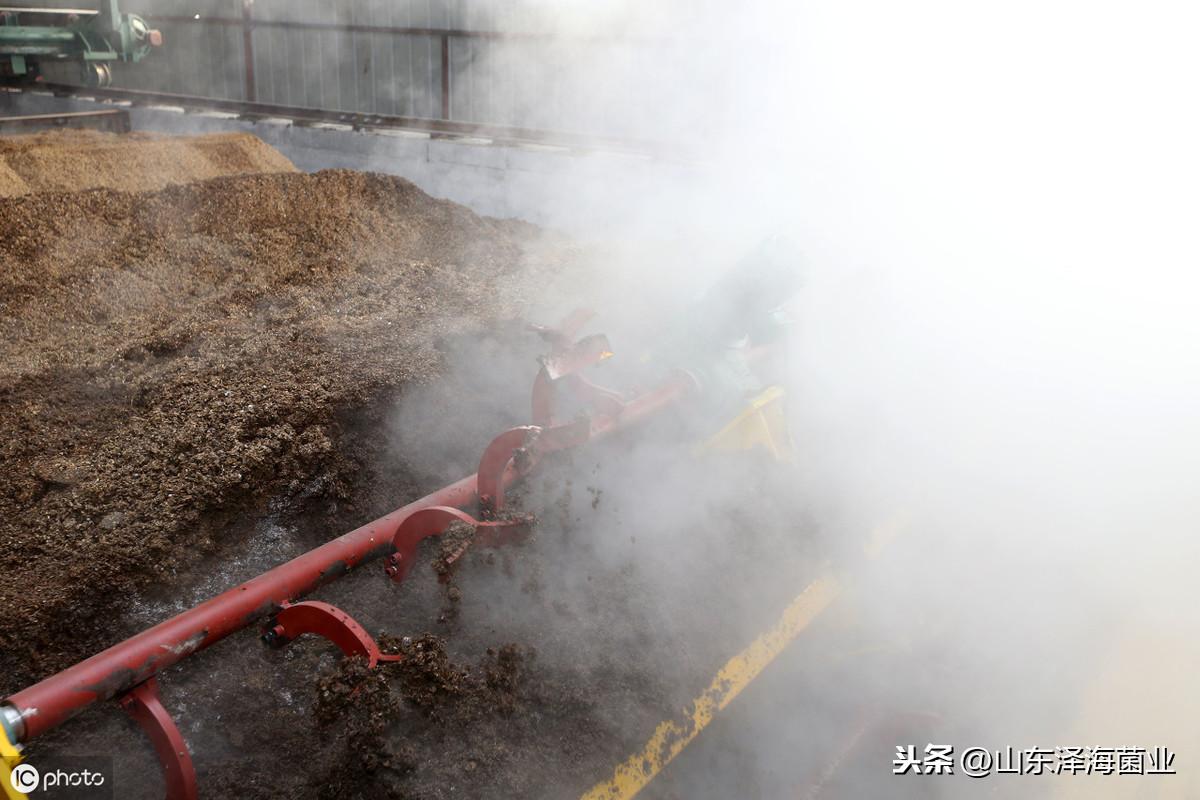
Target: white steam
x,y
999,334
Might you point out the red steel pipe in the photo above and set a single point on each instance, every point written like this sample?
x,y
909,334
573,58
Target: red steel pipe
x,y
121,667
41,707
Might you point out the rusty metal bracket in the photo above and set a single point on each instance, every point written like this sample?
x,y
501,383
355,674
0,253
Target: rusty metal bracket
x,y
587,351
326,621
142,703
521,449
543,399
568,363
434,521
562,336
489,478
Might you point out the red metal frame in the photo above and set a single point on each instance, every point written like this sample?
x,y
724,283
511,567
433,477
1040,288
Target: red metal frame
x,y
568,361
329,622
433,522
494,463
144,706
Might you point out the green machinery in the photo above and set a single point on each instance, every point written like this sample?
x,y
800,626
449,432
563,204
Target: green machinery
x,y
31,37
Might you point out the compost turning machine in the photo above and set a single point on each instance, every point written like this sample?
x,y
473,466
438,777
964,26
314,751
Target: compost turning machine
x,y
127,671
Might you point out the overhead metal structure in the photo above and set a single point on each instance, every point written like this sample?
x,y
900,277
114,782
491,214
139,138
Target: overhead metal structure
x,y
92,38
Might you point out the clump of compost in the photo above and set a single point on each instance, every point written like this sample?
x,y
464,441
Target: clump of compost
x,y
171,361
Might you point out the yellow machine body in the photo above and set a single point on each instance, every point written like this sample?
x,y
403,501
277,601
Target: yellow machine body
x,y
762,423
10,756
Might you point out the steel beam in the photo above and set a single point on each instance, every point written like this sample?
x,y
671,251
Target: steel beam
x,y
115,120
366,121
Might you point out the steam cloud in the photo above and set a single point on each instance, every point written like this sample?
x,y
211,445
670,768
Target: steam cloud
x,y
998,336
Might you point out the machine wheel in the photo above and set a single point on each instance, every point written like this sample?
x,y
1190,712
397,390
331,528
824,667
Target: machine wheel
x,y
97,75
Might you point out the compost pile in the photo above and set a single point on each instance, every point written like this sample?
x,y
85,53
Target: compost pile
x,y
202,381
70,160
171,360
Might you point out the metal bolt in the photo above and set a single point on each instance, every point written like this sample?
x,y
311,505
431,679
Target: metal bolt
x,y
273,637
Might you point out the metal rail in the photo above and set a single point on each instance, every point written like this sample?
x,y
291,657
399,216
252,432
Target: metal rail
x,y
440,88
500,134
49,12
396,30
115,120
